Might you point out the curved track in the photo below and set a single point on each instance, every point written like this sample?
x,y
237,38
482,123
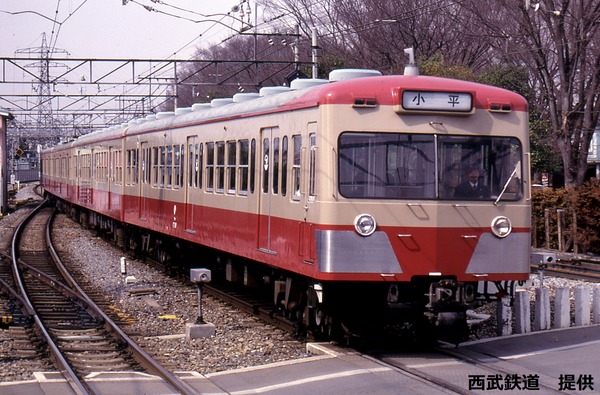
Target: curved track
x,y
80,337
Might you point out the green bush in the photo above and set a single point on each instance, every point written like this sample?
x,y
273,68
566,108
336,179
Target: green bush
x,y
581,206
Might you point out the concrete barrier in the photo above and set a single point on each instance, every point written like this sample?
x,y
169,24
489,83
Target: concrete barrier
x,y
596,307
542,309
562,308
522,312
586,309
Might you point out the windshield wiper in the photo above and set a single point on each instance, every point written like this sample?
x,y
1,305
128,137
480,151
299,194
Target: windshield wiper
x,y
507,182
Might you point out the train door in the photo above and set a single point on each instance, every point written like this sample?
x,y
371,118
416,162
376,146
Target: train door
x,y
144,179
307,191
266,192
194,172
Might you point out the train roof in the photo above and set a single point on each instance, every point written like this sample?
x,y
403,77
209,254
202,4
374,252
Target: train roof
x,y
379,89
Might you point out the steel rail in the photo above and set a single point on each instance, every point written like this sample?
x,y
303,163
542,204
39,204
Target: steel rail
x,y
59,360
145,360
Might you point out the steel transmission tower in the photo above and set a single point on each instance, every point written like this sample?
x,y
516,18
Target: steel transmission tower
x,y
47,125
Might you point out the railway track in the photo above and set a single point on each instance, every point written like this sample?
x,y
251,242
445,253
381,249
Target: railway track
x,y
81,338
250,303
587,269
451,370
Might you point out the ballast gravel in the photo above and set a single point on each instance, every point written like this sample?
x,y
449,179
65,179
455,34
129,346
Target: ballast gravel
x,y
158,308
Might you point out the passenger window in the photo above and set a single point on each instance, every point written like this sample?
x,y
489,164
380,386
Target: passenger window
x,y
252,165
155,166
276,165
284,165
199,163
265,165
297,142
243,167
192,164
135,164
220,166
231,162
210,166
178,164
312,183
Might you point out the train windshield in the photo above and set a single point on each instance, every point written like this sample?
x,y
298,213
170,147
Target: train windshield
x,y
428,166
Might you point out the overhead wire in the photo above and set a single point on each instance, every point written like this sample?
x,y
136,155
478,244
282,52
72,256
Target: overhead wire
x,y
54,26
265,52
53,45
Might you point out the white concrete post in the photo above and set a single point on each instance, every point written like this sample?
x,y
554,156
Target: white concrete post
x,y
582,306
596,306
542,309
562,308
504,316
522,312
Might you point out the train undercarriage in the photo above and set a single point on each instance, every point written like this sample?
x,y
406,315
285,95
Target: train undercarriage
x,y
422,310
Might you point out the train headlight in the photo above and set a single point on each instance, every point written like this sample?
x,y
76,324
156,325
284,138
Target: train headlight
x,y
365,224
501,226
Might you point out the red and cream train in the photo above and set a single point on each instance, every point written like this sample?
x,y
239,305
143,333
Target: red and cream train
x,y
338,195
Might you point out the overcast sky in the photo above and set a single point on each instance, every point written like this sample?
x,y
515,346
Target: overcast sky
x,y
109,29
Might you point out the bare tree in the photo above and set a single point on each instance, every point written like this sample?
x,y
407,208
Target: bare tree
x,y
559,42
374,33
240,64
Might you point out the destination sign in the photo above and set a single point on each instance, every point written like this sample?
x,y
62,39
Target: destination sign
x,y
437,101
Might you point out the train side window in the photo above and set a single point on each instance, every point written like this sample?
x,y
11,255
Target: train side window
x,y
284,165
129,166
297,142
163,166
105,159
266,147
210,167
128,172
243,167
312,181
155,166
135,166
252,165
231,162
94,166
146,166
118,167
199,170
169,166
192,165
178,162
220,166
76,164
276,165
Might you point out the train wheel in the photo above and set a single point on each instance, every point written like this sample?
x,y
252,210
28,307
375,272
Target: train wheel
x,y
324,326
320,323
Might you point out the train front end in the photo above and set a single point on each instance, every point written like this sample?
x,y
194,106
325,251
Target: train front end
x,y
430,199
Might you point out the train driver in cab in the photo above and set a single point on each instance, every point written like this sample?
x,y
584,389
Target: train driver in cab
x,y
473,187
